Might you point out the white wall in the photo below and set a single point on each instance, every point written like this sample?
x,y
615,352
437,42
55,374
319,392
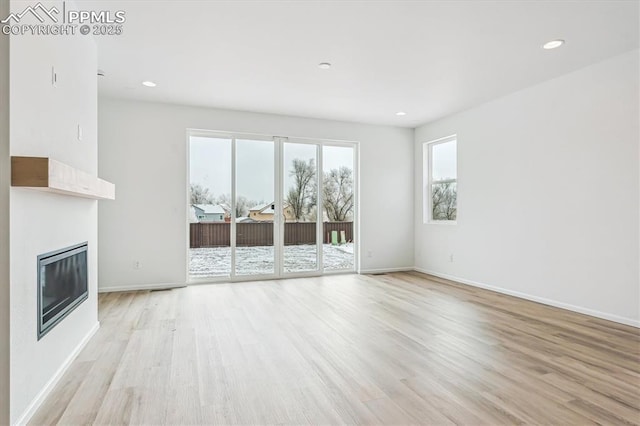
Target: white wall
x,y
43,123
5,176
548,193
143,151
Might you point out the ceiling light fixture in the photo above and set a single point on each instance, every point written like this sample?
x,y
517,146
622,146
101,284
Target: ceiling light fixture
x,y
149,84
401,113
324,65
553,44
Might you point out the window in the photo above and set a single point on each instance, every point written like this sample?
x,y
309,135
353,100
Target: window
x,y
440,180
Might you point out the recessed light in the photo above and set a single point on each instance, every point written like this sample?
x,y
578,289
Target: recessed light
x,y
324,65
149,84
553,44
401,113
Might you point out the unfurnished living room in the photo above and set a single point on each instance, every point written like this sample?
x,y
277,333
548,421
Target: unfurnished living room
x,y
323,212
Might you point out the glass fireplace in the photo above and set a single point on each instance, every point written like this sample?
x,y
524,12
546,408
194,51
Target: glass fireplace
x,y
62,285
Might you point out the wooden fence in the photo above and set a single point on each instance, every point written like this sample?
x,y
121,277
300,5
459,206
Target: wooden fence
x,y
218,234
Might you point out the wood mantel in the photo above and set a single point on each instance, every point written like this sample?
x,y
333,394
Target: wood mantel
x,y
47,174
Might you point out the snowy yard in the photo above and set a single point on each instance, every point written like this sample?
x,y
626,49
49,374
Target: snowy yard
x,y
208,262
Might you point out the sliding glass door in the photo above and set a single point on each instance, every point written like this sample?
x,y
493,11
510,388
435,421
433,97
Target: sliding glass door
x,y
264,207
209,206
339,200
300,212
255,216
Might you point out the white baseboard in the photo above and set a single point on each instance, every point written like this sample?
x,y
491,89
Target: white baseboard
x,y
586,311
385,270
46,390
136,287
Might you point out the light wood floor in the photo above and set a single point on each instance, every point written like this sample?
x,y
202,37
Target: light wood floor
x,y
390,349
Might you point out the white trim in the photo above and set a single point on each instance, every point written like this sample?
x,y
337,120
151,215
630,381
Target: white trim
x,y
356,208
46,390
442,139
233,224
187,204
428,182
279,218
254,136
136,287
579,309
319,208
386,270
329,272
441,222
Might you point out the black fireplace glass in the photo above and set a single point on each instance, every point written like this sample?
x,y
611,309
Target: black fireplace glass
x,y
62,285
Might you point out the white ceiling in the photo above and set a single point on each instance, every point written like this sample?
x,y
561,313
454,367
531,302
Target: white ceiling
x,y
428,58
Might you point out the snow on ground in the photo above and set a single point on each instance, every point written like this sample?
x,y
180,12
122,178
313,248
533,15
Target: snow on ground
x,y
215,261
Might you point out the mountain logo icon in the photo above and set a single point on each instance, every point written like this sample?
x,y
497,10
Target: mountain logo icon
x,y
38,10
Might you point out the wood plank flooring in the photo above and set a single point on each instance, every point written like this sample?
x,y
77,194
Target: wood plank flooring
x,y
392,349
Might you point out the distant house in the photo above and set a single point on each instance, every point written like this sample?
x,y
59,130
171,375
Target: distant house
x,y
264,213
227,211
209,212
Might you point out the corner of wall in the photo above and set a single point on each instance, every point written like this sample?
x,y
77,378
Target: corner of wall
x,y
573,259
60,108
5,176
415,192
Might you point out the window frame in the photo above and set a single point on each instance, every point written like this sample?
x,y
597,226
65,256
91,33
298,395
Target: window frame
x,y
428,182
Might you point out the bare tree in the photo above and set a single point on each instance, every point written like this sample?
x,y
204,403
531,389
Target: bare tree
x,y
301,196
200,195
242,204
337,192
444,198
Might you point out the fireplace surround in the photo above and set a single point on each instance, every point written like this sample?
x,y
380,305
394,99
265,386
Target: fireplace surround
x,y
62,285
